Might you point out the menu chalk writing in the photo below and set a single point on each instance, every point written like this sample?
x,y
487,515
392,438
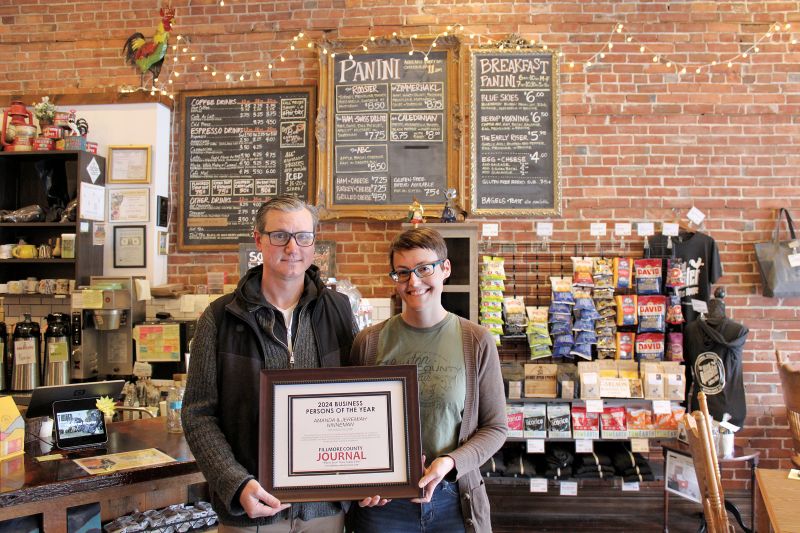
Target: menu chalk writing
x,y
514,132
240,149
389,128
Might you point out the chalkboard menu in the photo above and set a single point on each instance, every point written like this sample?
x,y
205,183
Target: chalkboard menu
x,y
238,150
389,126
514,133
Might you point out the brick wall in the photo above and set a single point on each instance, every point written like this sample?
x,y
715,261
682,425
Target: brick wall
x,y
638,142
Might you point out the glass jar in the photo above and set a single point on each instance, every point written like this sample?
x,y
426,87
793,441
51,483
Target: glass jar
x,y
174,405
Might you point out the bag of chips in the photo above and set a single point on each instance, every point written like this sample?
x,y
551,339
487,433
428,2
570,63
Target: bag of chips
x,y
625,344
650,347
676,273
623,272
626,310
652,313
675,346
582,271
674,310
648,276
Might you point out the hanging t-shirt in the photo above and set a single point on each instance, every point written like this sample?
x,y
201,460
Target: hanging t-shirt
x,y
439,355
703,266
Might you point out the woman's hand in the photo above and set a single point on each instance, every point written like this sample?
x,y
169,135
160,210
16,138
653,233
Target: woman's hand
x,y
374,501
432,476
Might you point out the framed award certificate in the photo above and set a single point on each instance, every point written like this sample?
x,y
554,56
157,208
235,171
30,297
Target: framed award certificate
x,y
330,434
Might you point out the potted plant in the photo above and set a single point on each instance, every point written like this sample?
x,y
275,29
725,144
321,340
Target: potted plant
x,y
44,111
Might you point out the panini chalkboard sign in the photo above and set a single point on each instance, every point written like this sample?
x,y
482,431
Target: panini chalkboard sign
x,y
514,132
389,136
239,148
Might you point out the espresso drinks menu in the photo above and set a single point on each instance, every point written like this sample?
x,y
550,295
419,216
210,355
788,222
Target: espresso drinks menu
x,y
389,119
514,143
239,149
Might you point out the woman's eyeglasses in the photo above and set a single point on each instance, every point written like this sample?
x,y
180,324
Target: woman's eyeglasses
x,y
422,271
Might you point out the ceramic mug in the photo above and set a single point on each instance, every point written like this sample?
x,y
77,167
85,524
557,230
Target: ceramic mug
x,y
6,250
31,285
47,286
14,287
24,251
62,286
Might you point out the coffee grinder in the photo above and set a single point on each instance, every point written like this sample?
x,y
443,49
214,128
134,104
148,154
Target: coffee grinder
x,y
102,325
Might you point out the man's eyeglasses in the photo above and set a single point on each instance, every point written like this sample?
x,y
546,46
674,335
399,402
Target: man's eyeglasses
x,y
281,238
422,271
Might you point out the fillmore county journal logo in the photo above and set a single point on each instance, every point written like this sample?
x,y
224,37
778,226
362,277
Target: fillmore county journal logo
x,y
710,372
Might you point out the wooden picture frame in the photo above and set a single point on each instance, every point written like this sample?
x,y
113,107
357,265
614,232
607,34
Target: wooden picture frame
x,y
130,246
306,425
393,138
129,204
261,144
514,164
129,164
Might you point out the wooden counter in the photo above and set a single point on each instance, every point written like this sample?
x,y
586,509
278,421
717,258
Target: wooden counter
x,y
48,488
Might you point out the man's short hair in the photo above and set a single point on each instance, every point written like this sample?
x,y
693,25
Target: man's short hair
x,y
285,204
422,237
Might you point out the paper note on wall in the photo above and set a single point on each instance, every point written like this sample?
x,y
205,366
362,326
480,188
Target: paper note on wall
x,y
157,342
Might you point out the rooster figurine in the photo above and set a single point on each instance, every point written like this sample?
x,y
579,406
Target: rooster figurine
x,y
150,55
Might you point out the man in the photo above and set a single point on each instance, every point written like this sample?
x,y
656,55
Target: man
x,y
280,316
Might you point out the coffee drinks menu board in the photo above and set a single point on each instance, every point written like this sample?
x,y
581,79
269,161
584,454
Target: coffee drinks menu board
x,y
389,131
514,132
239,149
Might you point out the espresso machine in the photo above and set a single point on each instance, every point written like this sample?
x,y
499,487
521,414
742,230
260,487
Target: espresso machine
x,y
103,315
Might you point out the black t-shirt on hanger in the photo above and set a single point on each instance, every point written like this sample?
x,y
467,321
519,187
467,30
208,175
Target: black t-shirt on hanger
x,y
703,266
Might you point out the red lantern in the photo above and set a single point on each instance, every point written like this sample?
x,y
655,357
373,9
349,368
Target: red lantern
x,y
19,116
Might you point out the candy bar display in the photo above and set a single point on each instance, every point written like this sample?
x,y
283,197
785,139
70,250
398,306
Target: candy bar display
x,y
175,518
558,421
585,425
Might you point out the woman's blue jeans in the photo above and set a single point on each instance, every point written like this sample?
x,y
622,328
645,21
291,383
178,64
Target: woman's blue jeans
x,y
442,514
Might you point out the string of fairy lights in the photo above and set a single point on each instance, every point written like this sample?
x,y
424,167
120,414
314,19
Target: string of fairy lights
x,y
619,40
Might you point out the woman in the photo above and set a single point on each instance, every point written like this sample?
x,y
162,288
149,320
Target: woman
x,y
462,404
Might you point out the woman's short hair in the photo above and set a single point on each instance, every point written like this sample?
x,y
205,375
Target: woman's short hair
x,y
285,204
422,237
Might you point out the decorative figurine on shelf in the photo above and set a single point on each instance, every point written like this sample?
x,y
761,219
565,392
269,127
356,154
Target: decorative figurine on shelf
x,y
449,211
416,213
149,55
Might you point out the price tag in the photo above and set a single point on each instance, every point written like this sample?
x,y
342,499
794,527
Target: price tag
x,y
622,229
730,427
535,445
640,445
645,229
544,229
538,484
670,229
598,229
490,230
594,406
696,216
794,260
631,486
584,446
662,407
569,488
699,306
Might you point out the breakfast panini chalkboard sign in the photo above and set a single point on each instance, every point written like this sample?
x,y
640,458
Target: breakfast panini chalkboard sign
x,y
514,132
389,134
239,148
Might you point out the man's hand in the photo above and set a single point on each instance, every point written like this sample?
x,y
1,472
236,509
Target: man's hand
x,y
432,476
374,501
257,502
